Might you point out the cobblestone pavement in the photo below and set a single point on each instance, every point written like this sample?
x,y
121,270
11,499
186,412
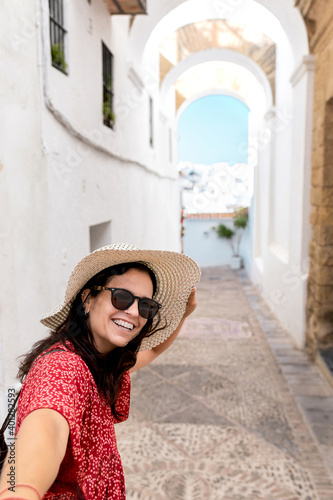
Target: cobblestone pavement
x,y
233,411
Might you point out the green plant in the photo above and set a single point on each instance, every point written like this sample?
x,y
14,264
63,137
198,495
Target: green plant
x,y
234,236
224,232
240,222
109,83
58,56
108,114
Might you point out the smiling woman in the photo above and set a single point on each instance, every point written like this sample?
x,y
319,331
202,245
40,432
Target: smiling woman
x,y
123,307
113,326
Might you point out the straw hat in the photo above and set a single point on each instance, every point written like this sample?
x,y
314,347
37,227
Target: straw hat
x,y
176,275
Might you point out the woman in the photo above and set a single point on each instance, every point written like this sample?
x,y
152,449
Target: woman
x,y
123,307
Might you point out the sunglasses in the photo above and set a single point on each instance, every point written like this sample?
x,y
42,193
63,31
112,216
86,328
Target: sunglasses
x,y
123,299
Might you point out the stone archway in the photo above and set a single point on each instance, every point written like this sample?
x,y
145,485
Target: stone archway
x,y
216,56
275,19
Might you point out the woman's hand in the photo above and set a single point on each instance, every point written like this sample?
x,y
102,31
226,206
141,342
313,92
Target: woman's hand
x,y
191,304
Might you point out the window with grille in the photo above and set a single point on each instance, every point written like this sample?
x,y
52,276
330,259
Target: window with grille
x,y
108,112
57,35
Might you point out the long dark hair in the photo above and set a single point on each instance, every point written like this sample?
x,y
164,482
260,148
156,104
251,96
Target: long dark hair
x,y
107,370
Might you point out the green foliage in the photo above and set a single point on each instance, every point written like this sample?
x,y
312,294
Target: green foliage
x,y
224,231
240,222
108,114
109,83
58,56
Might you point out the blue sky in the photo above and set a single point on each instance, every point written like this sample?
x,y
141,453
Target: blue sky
x,y
214,129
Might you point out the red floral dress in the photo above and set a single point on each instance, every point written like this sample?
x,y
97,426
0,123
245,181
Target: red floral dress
x,y
91,468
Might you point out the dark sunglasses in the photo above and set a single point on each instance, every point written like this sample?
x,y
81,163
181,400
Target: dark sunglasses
x,y
123,299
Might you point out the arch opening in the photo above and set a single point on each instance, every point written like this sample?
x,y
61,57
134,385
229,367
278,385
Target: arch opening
x,y
212,154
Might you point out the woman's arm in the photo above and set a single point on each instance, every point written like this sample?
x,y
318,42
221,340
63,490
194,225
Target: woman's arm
x,y
39,449
146,357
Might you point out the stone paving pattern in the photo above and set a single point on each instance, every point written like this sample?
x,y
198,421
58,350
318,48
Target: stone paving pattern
x,y
232,410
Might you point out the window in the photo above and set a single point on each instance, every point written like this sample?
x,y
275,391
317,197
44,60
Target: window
x,y
57,34
151,122
108,113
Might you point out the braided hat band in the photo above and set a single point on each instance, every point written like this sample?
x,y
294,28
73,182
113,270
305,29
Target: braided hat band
x,y
176,276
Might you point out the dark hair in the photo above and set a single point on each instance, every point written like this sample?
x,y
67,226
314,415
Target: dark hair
x,y
107,370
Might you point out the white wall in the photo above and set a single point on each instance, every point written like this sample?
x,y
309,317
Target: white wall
x,y
23,188
281,202
202,243
62,171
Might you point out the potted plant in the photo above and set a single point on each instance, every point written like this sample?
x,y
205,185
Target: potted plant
x,y
240,220
58,57
108,114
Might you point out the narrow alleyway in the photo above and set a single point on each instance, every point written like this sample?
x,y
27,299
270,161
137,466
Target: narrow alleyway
x,y
232,411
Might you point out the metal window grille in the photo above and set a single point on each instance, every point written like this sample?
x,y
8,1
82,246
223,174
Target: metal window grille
x,y
108,113
57,34
151,122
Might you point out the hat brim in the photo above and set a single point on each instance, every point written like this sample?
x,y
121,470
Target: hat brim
x,y
176,276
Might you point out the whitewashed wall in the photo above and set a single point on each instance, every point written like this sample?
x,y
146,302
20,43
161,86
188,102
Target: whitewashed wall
x,y
202,243
23,189
62,171
281,227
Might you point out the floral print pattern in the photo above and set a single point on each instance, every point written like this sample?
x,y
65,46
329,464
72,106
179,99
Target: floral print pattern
x,y
91,468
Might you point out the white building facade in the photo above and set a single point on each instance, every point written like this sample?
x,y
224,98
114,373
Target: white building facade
x,y
69,183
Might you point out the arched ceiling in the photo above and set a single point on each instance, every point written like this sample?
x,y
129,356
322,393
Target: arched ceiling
x,y
280,20
176,31
228,77
207,35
